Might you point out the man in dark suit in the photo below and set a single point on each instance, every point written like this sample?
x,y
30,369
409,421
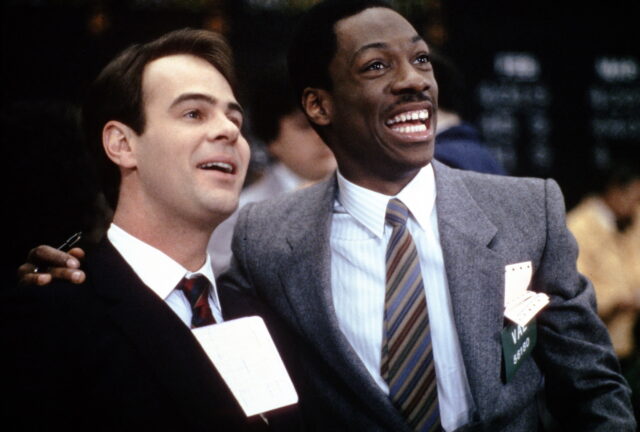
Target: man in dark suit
x,y
117,352
319,258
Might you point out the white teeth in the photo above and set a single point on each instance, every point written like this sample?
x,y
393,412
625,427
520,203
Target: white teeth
x,y
217,165
410,129
409,116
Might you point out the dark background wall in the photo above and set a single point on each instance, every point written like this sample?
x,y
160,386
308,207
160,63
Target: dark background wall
x,y
554,88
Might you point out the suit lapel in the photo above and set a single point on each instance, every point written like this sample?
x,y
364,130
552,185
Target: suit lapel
x,y
167,345
307,284
475,275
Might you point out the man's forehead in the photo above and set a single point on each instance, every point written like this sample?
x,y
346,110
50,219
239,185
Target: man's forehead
x,y
175,73
173,64
373,27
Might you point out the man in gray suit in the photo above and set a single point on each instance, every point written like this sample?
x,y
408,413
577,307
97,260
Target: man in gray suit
x,y
317,257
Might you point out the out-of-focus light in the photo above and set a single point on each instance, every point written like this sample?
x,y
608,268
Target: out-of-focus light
x,y
98,23
216,23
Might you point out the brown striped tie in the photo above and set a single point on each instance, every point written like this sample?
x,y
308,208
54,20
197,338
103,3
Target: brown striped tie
x,y
407,356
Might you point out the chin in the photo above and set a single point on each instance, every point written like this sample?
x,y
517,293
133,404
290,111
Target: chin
x,y
223,204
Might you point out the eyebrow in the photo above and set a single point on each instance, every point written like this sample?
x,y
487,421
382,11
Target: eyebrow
x,y
233,106
379,45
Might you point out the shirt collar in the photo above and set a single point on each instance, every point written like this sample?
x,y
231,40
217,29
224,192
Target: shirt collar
x,y
369,207
157,270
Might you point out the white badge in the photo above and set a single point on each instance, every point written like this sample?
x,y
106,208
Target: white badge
x,y
520,303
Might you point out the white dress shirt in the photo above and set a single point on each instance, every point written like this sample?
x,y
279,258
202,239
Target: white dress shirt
x,y
161,273
359,238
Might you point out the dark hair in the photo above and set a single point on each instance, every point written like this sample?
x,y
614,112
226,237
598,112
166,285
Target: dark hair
x,y
271,99
314,43
117,92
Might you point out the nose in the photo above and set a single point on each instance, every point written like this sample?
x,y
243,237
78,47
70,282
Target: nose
x,y
223,129
410,78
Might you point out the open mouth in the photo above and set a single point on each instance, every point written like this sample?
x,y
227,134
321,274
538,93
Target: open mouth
x,y
224,167
413,124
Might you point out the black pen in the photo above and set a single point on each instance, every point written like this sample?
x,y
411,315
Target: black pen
x,y
68,244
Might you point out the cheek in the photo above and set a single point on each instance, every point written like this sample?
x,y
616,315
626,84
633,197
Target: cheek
x,y
244,152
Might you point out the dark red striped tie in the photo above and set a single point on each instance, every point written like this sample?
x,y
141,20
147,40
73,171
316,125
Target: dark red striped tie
x,y
197,292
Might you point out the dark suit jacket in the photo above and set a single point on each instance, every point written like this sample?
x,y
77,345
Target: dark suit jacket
x,y
282,255
107,355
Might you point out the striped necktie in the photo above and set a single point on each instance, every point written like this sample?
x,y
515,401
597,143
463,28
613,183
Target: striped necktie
x,y
196,291
407,357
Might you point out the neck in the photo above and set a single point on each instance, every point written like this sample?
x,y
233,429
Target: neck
x,y
184,243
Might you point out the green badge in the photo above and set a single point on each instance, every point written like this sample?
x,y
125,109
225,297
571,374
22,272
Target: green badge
x,y
517,344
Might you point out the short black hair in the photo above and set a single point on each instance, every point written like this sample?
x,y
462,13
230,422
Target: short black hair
x,y
271,99
314,42
117,92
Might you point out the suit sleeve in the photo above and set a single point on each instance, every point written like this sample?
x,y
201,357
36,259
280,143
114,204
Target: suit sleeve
x,y
583,386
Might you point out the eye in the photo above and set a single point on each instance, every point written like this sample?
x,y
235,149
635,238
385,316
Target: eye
x,y
423,59
375,66
236,118
193,114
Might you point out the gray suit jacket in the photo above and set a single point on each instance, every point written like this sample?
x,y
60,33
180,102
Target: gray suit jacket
x,y
282,255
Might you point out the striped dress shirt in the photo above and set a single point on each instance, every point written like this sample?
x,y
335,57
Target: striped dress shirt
x,y
359,238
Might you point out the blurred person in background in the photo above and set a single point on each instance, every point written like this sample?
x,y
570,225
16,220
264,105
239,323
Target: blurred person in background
x,y
606,225
299,158
458,142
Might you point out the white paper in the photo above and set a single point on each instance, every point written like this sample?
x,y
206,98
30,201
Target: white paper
x,y
520,304
516,281
522,312
244,354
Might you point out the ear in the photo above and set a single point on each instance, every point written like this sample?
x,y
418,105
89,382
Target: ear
x,y
117,140
318,106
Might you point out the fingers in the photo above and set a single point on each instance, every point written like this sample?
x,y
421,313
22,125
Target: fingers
x,y
46,263
72,275
26,276
34,278
47,256
77,252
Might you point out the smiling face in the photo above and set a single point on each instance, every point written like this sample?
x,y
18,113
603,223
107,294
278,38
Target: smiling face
x,y
380,113
191,159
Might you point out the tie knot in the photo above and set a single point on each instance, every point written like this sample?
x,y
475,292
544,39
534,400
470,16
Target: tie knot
x,y
397,213
194,288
